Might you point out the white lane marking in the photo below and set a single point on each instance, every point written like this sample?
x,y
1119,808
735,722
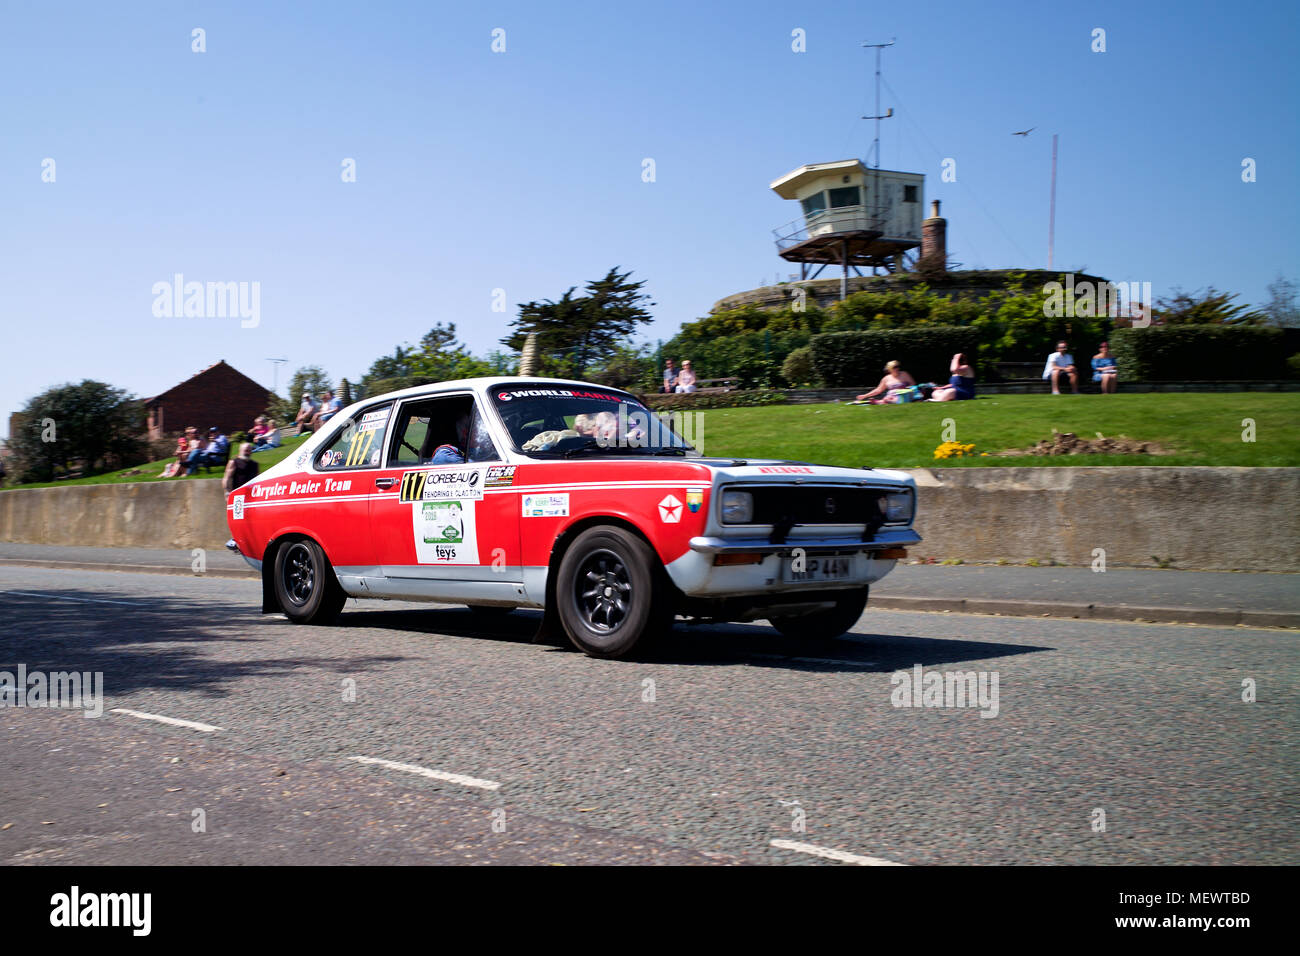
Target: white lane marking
x,y
61,597
828,854
431,774
174,721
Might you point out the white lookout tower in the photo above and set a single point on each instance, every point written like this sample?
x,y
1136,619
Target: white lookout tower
x,y
853,216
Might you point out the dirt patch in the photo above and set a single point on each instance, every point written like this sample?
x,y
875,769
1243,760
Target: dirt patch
x,y
1068,443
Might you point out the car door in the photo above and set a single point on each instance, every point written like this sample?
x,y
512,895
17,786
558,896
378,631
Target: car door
x,y
338,485
445,531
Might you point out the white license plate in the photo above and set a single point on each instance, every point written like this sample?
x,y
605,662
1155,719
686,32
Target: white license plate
x,y
815,569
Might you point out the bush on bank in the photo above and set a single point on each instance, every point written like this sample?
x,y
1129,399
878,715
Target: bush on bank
x,y
1190,353
858,358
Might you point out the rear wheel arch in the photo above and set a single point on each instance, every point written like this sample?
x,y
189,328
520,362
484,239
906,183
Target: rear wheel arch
x,y
270,605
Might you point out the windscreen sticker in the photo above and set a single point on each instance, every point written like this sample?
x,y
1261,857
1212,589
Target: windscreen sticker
x,y
509,395
546,506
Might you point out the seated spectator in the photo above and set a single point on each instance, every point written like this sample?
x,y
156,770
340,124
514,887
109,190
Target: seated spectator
x,y
1061,364
686,378
240,470
329,407
961,385
185,443
670,377
259,428
214,453
306,412
1104,370
270,439
895,379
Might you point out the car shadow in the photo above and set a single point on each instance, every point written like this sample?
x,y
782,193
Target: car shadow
x,y
751,645
158,642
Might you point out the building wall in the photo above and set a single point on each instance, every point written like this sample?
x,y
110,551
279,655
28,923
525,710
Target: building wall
x,y
220,396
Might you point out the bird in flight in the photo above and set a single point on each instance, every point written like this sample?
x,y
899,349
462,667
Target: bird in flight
x,y
1025,132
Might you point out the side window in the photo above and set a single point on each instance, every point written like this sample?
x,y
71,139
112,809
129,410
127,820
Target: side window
x,y
440,431
358,444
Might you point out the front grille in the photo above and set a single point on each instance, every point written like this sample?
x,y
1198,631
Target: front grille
x,y
788,505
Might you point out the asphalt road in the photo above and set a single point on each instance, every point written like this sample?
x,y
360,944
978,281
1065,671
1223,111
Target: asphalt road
x,y
722,742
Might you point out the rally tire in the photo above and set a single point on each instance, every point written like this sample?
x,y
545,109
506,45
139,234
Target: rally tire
x,y
609,593
824,625
305,586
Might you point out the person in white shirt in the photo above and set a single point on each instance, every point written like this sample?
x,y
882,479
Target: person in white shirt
x,y
1061,363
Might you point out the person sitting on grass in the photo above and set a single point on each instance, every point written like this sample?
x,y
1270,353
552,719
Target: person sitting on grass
x,y
895,378
1104,370
962,384
215,452
1061,364
269,438
306,412
329,407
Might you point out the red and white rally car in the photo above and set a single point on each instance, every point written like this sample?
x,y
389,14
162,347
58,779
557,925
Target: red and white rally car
x,y
509,492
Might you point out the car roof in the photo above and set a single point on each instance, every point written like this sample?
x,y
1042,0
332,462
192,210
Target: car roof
x,y
482,382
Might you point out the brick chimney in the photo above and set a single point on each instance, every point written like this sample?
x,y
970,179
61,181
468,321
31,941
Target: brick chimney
x,y
934,241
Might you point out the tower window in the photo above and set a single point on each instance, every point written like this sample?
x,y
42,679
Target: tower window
x,y
909,194
814,204
848,196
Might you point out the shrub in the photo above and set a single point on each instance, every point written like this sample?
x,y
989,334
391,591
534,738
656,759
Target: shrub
x,y
741,398
1293,365
858,358
797,369
1188,353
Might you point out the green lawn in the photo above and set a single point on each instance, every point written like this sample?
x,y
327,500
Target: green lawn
x,y
1200,428
150,471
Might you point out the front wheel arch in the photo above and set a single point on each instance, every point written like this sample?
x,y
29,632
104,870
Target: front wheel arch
x,y
550,619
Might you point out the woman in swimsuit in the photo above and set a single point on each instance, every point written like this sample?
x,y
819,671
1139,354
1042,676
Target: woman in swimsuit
x,y
895,378
960,386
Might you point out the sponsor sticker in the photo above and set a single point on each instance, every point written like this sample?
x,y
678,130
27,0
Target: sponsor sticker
x,y
445,531
238,503
463,484
499,476
670,510
546,506
694,499
512,394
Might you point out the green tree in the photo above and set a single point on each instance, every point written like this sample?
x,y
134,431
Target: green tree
x,y
1210,307
309,378
1281,309
578,332
91,425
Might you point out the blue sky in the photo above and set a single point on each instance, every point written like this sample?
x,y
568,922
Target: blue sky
x,y
521,170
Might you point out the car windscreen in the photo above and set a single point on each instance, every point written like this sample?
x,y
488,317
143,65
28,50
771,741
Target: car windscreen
x,y
550,421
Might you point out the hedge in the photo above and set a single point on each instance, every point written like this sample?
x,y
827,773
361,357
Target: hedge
x,y
738,398
1193,353
858,358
